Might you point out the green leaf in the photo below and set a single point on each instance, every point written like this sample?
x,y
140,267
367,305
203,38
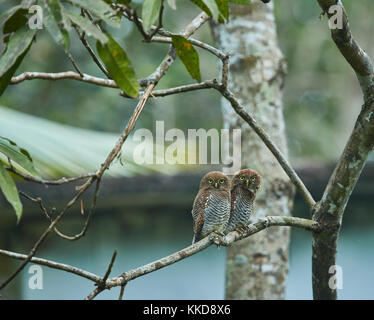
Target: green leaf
x,y
119,66
150,13
9,189
223,7
189,56
17,48
5,16
208,6
172,4
100,9
241,1
88,27
18,155
203,7
15,21
53,21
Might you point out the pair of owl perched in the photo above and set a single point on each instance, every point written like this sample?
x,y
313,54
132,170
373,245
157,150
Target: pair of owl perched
x,y
221,206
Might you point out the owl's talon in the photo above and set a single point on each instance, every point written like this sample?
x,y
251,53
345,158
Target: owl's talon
x,y
240,229
217,238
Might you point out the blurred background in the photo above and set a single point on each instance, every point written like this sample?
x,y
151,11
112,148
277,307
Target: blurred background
x,y
144,211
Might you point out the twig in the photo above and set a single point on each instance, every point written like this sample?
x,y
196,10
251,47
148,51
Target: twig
x,y
129,127
120,297
54,265
219,54
94,293
74,64
63,75
101,286
85,226
51,182
39,202
91,52
43,236
131,14
225,71
240,110
208,84
109,270
159,26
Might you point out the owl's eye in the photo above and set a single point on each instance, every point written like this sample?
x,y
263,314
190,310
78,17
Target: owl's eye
x,y
221,181
210,181
241,178
253,178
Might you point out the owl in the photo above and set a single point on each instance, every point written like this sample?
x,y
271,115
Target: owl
x,y
211,208
244,186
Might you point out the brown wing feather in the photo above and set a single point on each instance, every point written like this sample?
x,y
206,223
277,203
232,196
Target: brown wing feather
x,y
199,206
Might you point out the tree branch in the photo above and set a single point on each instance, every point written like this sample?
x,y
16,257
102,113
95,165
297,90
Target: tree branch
x,y
329,211
54,265
50,182
90,51
63,75
350,49
239,109
219,54
105,283
155,77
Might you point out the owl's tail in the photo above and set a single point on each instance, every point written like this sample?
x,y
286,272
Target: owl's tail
x,y
195,238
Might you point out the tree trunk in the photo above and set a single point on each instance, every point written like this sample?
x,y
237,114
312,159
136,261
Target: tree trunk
x,y
257,267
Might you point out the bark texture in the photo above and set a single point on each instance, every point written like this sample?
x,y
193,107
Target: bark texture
x,y
257,267
329,211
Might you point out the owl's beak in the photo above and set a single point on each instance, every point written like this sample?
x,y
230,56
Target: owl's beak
x,y
216,185
247,183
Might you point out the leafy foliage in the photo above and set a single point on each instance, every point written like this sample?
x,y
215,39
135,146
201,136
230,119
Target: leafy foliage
x,y
17,47
189,56
90,17
10,191
100,9
53,21
14,154
86,25
150,13
119,66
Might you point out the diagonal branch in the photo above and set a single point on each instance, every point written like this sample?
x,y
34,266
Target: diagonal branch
x,y
239,109
154,79
349,48
91,52
50,182
256,226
